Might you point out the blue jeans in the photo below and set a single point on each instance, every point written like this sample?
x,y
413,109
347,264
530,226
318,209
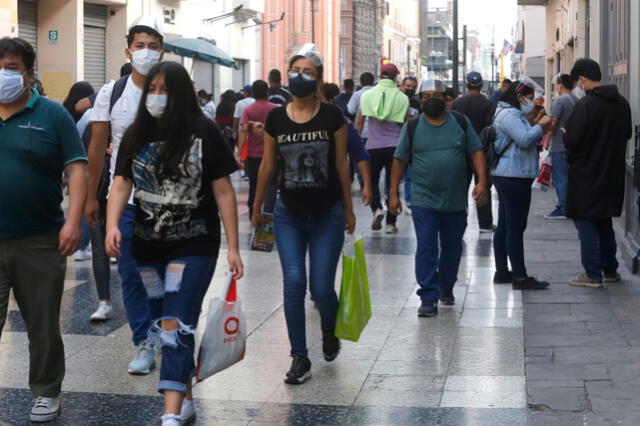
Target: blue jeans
x,y
407,184
86,235
323,236
560,177
176,289
133,293
597,247
513,212
435,273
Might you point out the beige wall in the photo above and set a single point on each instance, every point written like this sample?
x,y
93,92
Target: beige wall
x,y
8,18
61,64
116,40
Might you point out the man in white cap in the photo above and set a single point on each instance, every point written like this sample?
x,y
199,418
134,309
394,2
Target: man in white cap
x,y
438,143
114,110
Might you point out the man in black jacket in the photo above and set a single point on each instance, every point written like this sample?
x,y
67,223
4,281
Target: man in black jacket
x,y
596,139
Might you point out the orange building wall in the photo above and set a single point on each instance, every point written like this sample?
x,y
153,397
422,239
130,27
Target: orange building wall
x,y
295,30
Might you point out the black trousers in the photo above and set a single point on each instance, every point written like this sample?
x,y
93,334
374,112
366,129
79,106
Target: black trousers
x,y
251,167
485,214
381,158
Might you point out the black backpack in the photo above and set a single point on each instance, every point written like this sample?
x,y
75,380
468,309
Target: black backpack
x,y
488,138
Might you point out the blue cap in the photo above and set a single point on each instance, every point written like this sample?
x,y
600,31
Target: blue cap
x,y
474,78
247,89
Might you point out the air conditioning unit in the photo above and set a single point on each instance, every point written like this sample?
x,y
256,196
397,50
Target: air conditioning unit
x,y
248,9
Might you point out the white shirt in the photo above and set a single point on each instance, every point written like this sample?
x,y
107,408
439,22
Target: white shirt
x,y
241,105
354,106
120,118
209,109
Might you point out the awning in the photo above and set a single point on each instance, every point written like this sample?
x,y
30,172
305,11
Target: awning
x,y
201,50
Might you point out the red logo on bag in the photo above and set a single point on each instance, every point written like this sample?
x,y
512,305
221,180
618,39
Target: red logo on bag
x,y
231,325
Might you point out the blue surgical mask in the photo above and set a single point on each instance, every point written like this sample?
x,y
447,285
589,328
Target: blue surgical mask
x,y
526,108
302,85
11,86
579,92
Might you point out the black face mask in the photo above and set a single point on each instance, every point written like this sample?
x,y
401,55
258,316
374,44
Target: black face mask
x,y
433,107
302,88
410,93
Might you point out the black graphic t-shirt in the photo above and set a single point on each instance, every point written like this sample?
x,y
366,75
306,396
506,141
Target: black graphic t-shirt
x,y
309,183
178,216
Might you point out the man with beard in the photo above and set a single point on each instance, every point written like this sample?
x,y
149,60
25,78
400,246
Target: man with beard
x,y
438,143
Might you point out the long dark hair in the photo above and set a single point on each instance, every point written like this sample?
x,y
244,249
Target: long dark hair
x,y
518,88
175,127
227,104
79,90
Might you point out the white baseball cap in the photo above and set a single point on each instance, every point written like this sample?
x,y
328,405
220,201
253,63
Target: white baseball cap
x,y
146,21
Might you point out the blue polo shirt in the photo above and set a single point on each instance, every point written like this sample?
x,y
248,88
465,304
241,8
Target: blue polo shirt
x,y
35,146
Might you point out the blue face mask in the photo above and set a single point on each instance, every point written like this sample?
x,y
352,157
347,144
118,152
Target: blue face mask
x,y
301,85
526,108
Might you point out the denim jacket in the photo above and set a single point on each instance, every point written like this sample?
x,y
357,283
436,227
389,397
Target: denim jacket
x,y
521,159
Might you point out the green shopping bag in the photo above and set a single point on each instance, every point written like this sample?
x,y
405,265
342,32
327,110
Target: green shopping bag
x,y
354,310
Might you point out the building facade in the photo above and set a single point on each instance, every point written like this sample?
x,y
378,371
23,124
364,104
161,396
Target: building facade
x,y
439,42
401,37
305,21
529,51
77,40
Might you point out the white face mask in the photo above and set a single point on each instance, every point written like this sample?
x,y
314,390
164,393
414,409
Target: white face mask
x,y
144,59
11,86
156,104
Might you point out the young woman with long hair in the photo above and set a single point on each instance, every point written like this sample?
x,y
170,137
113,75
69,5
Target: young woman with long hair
x,y
179,164
307,141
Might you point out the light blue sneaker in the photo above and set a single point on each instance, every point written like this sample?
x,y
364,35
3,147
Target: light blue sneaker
x,y
144,360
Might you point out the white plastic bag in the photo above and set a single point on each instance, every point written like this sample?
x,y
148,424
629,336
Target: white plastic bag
x,y
543,181
225,334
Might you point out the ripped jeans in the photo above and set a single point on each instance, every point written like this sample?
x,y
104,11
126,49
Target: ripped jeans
x,y
176,289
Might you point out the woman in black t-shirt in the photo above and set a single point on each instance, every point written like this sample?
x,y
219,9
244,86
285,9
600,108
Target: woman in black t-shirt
x,y
309,141
179,164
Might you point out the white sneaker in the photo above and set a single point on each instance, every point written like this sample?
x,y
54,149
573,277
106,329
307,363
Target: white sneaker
x,y
81,255
188,411
103,313
144,360
113,260
171,420
45,409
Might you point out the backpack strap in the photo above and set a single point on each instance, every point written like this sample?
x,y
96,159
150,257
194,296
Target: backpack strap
x,y
412,125
461,119
118,90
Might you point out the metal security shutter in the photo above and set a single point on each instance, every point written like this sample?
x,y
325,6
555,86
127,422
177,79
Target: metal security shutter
x,y
202,75
95,40
28,21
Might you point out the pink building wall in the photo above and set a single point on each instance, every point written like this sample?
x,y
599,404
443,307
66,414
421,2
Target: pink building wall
x,y
295,30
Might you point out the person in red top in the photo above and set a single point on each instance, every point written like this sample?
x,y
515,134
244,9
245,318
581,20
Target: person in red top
x,y
252,132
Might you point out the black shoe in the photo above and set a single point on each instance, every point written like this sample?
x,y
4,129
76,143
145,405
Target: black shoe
x,y
428,309
530,283
503,277
447,298
330,345
299,372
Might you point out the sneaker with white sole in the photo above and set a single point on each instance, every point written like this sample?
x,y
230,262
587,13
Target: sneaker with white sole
x,y
390,229
144,360
103,313
584,280
489,230
81,255
171,420
188,411
44,409
378,217
557,214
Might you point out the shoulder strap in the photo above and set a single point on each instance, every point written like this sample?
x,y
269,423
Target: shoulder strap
x,y
412,125
118,89
461,119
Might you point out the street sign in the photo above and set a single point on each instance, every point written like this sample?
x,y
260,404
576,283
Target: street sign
x,y
53,36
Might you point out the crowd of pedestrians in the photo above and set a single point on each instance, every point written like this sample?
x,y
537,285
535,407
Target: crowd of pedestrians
x,y
147,162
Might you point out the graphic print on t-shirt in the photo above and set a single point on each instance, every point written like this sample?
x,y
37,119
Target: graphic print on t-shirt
x,y
305,158
169,203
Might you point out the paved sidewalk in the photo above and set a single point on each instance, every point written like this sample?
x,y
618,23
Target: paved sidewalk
x,y
582,346
467,366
